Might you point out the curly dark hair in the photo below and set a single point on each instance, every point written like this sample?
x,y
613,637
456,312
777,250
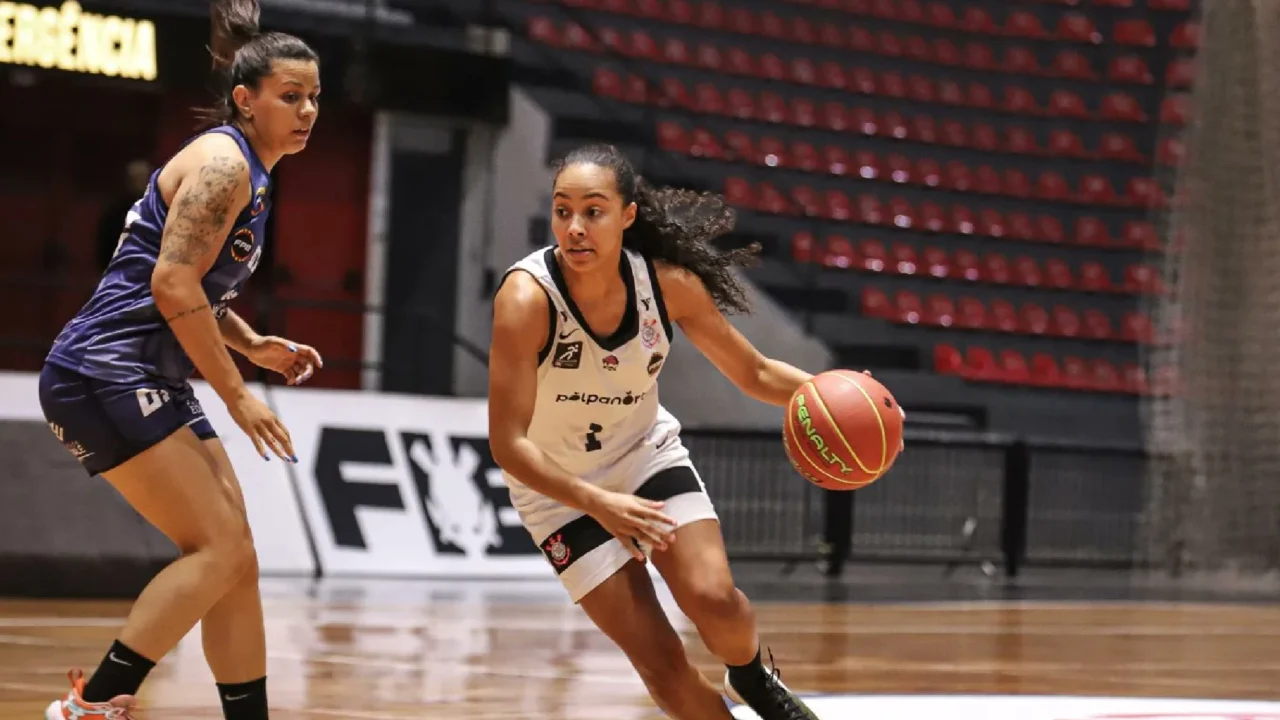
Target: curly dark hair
x,y
676,226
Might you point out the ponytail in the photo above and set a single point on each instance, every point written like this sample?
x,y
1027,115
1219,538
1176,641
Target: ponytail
x,y
242,55
235,24
677,226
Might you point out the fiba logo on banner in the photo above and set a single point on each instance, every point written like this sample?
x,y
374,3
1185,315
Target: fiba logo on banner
x,y
405,486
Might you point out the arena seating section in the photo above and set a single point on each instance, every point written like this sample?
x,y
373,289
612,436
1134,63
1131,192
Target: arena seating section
x,y
970,181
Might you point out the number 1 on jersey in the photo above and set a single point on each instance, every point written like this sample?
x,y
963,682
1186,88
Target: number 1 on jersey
x,y
593,442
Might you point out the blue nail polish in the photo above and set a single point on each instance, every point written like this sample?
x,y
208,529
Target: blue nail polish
x,y
294,458
293,348
266,457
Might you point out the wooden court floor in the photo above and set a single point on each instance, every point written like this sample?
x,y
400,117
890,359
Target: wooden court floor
x,y
465,651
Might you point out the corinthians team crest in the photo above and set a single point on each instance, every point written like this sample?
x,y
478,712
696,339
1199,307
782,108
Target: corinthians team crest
x,y
649,333
557,550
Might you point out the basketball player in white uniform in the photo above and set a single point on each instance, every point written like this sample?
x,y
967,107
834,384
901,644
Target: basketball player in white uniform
x,y
595,465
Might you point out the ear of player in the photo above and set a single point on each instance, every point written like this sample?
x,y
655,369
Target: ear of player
x,y
843,430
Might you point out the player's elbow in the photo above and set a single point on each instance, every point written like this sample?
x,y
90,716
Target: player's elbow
x,y
505,449
172,282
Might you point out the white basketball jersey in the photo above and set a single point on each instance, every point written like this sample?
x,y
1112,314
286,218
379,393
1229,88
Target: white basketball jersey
x,y
597,398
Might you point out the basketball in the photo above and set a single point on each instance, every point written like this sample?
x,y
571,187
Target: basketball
x,y
843,430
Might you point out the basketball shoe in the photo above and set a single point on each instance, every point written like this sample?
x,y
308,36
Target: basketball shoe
x,y
74,706
768,697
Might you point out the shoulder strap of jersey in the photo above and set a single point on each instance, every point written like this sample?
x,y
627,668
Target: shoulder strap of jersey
x,y
557,312
648,289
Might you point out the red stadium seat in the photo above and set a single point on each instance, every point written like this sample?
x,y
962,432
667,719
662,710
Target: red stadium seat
x,y
545,31
1121,106
931,217
1052,186
1019,139
978,20
808,200
995,269
1118,146
1027,271
1094,277
1049,229
1133,379
991,223
1004,317
804,247
1075,27
1144,279
1144,192
673,138
1134,31
1044,370
805,156
1186,36
940,311
1075,373
947,360
1104,376
980,364
1066,323
1137,327
1074,65
1097,189
1020,100
905,261
873,254
1182,5
1092,231
1034,319
771,200
1174,110
1130,69
973,314
876,304
840,253
909,309
1170,151
1024,23
1021,226
707,99
1064,143
1064,103
1058,274
1140,234
1097,325
1013,368
967,265
936,262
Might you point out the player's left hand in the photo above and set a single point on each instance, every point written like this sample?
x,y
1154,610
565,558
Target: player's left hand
x,y
296,362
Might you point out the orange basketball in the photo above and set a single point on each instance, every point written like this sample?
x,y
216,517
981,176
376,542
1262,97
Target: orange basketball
x,y
843,430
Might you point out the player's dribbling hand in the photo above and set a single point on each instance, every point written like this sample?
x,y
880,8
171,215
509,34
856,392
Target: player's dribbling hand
x,y
263,427
296,362
634,520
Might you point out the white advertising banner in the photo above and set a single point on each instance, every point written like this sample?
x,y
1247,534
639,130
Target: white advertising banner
x,y
279,536
404,486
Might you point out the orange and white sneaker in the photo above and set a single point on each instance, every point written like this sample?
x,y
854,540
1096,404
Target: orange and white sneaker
x,y
74,707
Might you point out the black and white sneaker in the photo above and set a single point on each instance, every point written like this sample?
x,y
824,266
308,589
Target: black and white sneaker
x,y
768,697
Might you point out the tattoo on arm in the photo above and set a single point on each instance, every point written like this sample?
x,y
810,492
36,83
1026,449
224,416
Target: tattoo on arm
x,y
184,313
200,214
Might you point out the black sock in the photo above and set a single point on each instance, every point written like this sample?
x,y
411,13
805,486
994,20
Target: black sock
x,y
749,675
244,701
121,673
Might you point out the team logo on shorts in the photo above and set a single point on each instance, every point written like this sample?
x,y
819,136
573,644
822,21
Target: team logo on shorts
x,y
655,363
649,333
568,355
242,245
610,363
557,550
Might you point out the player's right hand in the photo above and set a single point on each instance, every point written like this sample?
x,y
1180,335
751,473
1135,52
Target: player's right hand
x,y
634,521
262,426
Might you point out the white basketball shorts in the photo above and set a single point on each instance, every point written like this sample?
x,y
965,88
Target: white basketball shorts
x,y
583,554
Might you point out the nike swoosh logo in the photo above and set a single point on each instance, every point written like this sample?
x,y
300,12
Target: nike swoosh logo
x,y
564,335
112,657
233,698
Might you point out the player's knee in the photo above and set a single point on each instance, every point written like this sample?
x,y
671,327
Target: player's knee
x,y
713,600
229,553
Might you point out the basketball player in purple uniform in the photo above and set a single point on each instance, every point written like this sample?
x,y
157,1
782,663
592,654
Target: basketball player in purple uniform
x,y
115,387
